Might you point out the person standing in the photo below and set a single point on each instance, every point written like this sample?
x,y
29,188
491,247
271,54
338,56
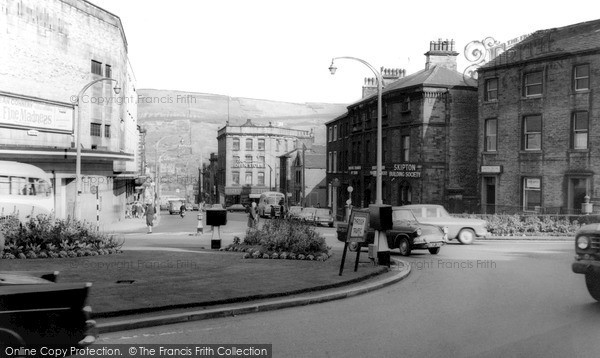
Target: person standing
x,y
252,216
150,216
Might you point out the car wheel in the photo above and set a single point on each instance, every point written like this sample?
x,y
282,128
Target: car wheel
x,y
592,281
434,250
466,236
404,247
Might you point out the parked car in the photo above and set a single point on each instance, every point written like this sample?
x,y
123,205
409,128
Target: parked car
x,y
407,234
463,229
294,212
323,217
307,215
587,259
189,206
236,207
34,310
195,207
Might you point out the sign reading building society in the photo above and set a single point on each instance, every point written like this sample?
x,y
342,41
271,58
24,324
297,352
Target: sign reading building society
x,y
406,170
20,112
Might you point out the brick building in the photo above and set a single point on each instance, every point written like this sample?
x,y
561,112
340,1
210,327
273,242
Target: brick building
x,y
429,145
537,118
50,51
248,162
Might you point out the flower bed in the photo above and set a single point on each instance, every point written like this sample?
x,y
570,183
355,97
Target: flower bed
x,y
47,237
283,239
531,225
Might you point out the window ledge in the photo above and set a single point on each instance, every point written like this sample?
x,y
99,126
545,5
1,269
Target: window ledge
x,y
490,152
587,150
537,96
537,151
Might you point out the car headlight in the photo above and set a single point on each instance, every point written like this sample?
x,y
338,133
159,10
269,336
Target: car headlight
x,y
418,231
583,242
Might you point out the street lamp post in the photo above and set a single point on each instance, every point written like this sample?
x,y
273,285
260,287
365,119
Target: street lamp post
x,y
380,236
270,177
332,69
117,90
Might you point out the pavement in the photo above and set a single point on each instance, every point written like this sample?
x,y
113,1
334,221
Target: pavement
x,y
134,229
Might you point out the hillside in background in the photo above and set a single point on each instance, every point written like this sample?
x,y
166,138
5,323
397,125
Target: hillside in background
x,y
198,116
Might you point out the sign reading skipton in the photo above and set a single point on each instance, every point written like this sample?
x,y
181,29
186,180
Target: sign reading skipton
x,y
406,170
22,112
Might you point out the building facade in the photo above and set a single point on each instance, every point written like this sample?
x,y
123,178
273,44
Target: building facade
x,y
50,51
537,119
248,163
304,180
429,144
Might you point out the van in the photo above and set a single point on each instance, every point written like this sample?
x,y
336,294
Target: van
x,y
271,204
175,206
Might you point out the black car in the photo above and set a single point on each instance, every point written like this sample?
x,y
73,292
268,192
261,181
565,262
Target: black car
x,y
34,311
407,234
587,258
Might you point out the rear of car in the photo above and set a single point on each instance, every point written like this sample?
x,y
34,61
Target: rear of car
x,y
36,311
587,258
294,212
323,217
308,215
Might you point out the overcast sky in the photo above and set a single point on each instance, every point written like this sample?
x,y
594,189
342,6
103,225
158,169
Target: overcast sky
x,y
281,50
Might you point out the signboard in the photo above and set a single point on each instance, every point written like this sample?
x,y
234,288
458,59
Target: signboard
x,y
241,164
21,112
358,225
355,170
533,183
406,170
491,169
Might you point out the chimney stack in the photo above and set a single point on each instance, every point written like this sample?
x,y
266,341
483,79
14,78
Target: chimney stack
x,y
441,53
388,76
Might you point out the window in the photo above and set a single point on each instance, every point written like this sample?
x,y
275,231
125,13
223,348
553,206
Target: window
x,y
261,160
261,178
578,189
532,132
249,144
406,148
533,84
235,178
96,68
335,132
95,129
248,159
330,134
107,131
261,144
329,162
334,166
532,194
405,106
581,77
491,135
491,89
236,144
580,125
107,71
236,159
248,180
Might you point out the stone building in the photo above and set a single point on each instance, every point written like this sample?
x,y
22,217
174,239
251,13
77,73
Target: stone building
x,y
536,123
304,179
248,163
50,51
429,145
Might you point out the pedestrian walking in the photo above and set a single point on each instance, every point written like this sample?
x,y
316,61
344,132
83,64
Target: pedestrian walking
x,y
252,216
182,210
150,217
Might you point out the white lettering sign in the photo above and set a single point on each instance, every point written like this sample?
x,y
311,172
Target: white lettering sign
x,y
28,113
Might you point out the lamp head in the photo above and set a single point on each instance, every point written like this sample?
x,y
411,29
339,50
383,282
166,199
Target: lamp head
x,y
332,68
117,90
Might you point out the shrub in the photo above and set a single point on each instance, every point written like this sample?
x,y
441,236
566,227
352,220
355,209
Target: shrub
x,y
44,236
287,239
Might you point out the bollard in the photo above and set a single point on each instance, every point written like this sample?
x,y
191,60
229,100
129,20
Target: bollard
x,y
200,228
